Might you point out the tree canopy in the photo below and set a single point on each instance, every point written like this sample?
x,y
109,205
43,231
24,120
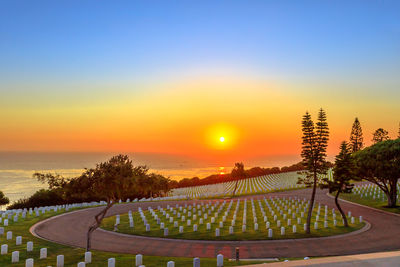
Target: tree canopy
x,y
3,199
380,135
380,164
238,173
356,136
314,145
343,173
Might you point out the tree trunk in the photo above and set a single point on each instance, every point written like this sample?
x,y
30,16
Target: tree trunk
x,y
392,194
340,209
311,206
234,190
98,219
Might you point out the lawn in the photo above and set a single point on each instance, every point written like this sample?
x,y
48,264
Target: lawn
x,y
203,233
369,201
74,255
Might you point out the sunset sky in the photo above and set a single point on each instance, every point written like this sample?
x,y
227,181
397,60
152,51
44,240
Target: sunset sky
x,y
174,76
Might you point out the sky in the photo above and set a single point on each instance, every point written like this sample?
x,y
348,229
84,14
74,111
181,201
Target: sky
x,y
172,77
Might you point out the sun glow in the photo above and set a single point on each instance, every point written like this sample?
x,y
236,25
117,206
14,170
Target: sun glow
x,y
221,136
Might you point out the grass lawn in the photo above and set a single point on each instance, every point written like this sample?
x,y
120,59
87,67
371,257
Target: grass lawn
x,y
369,201
74,255
249,234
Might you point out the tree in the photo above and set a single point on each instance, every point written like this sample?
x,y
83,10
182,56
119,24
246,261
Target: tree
x,y
398,134
238,173
343,173
380,164
109,180
314,145
3,199
356,136
380,135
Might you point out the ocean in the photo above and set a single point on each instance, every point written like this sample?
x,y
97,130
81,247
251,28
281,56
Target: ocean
x,y
17,168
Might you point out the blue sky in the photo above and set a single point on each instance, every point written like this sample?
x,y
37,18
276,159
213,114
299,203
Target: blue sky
x,y
128,40
80,75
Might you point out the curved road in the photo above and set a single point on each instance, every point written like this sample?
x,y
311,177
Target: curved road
x,y
70,229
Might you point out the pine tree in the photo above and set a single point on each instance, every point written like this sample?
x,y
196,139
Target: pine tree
x,y
380,135
343,173
398,136
356,137
314,145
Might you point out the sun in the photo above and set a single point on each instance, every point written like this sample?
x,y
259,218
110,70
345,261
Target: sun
x,y
222,139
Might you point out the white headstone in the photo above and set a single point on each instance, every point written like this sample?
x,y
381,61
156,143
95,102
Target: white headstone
x,y
18,240
29,262
4,249
111,262
1,230
60,260
29,246
9,235
88,257
269,233
138,260
15,256
196,262
220,260
181,229
216,231
81,264
282,230
171,264
43,253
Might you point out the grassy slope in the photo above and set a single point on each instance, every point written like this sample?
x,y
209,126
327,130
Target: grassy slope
x,y
368,201
250,234
74,255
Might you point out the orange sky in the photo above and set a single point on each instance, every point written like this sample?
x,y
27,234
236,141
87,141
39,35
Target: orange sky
x,y
257,118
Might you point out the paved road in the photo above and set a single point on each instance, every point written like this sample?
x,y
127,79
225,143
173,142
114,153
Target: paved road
x,y
70,229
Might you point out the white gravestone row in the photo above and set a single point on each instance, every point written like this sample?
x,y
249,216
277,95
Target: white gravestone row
x,y
274,213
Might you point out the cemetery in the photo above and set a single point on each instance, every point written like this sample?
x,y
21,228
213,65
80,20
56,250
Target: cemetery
x,y
370,195
249,186
248,219
18,247
271,217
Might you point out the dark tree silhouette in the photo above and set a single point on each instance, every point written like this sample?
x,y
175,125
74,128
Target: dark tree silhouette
x,y
380,164
398,134
238,173
343,173
314,145
3,199
380,135
356,137
110,180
